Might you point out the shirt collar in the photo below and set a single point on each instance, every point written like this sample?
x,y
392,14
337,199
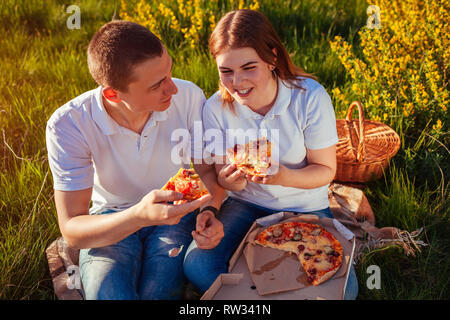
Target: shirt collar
x,y
100,116
157,116
108,125
279,107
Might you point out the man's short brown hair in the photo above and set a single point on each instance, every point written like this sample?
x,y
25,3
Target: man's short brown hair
x,y
116,49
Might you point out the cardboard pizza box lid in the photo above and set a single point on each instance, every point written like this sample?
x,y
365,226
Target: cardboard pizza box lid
x,y
239,285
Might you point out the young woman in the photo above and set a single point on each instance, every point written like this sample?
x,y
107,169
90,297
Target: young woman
x,y
261,89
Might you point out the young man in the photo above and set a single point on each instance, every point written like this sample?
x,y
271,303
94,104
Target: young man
x,y
113,145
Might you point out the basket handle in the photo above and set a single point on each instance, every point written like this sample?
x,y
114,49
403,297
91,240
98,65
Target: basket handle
x,y
361,145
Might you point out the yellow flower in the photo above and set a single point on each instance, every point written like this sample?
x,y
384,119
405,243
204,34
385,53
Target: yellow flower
x,y
254,5
212,22
438,125
405,62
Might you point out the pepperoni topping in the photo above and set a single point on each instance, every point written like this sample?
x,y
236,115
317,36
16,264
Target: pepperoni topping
x,y
301,248
186,173
312,271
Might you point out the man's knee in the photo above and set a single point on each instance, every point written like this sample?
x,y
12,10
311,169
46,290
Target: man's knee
x,y
108,273
103,281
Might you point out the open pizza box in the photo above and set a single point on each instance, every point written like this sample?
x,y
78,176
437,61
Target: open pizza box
x,y
260,273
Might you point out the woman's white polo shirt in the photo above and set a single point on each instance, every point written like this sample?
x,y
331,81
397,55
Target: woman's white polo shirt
x,y
298,120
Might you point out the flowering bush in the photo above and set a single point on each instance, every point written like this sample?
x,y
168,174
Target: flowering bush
x,y
182,22
402,77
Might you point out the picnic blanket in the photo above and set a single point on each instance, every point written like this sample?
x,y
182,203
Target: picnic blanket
x,y
351,207
63,265
348,204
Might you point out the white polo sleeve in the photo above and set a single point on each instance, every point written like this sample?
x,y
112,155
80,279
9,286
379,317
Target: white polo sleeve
x,y
214,132
320,129
69,157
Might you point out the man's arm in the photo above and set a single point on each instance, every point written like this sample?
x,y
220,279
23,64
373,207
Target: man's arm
x,y
82,230
208,175
208,230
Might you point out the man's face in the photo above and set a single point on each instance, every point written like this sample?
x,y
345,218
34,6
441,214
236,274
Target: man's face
x,y
152,88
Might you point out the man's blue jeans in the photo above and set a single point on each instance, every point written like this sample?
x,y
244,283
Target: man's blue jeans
x,y
202,267
141,266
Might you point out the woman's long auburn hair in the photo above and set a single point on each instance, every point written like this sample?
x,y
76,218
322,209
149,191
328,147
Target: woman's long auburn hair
x,y
248,28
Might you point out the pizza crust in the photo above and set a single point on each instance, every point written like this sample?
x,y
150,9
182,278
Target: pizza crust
x,y
326,276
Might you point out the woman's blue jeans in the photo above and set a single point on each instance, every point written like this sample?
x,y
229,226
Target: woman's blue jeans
x,y
141,266
202,267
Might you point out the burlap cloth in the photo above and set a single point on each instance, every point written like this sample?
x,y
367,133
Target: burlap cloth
x,y
348,204
61,260
351,207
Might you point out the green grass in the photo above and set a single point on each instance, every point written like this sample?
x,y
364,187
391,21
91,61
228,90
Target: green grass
x,y
44,66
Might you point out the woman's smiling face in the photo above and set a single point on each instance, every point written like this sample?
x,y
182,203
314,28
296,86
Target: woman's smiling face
x,y
247,78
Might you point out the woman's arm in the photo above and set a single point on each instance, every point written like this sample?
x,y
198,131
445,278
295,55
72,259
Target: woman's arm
x,y
319,171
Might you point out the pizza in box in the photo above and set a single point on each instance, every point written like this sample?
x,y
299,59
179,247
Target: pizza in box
x,y
317,249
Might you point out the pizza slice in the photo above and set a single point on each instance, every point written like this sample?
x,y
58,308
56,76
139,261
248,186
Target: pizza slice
x,y
252,158
318,251
188,182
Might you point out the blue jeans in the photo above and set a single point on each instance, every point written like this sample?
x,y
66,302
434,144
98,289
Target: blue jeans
x,y
139,266
202,267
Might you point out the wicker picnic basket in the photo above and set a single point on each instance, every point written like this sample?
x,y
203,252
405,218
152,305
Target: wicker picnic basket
x,y
364,148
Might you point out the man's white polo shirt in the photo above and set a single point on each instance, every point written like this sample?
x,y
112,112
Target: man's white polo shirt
x,y
87,148
298,120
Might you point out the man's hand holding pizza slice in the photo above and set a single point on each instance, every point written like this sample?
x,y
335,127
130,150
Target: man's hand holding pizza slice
x,y
187,182
155,207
